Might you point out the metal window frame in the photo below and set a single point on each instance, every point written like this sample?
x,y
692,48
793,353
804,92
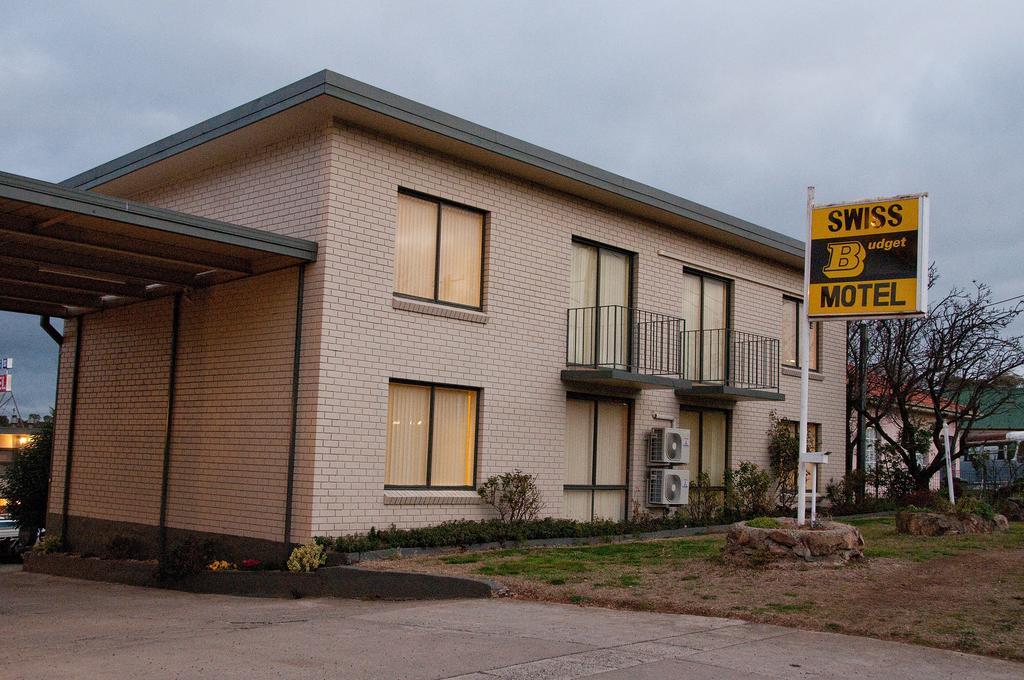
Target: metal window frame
x,y
430,436
594,486
702,275
630,295
817,337
701,410
484,220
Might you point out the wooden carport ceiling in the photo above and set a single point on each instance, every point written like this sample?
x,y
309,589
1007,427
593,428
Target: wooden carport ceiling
x,y
65,252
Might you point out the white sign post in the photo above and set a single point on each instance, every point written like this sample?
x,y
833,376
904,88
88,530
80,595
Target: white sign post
x,y
805,370
815,459
949,462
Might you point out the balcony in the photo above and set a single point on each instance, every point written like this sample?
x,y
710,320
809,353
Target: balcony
x,y
616,346
726,364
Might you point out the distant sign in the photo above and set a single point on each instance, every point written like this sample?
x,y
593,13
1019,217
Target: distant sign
x,y
6,363
869,259
5,382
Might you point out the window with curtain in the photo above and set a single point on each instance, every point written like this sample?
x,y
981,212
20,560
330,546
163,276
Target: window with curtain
x,y
438,251
599,297
708,439
596,458
431,439
705,310
790,344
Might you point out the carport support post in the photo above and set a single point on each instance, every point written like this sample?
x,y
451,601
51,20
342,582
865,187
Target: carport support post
x,y
296,356
171,384
71,433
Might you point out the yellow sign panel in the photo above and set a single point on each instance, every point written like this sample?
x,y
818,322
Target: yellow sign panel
x,y
868,259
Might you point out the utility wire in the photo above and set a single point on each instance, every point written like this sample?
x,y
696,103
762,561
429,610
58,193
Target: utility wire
x,y
1009,299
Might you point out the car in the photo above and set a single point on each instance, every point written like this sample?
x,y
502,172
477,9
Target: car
x,y
8,528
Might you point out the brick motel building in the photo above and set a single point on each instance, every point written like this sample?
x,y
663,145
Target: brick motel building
x,y
333,308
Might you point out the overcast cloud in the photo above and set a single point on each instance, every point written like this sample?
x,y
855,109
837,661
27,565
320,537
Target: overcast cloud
x,y
735,105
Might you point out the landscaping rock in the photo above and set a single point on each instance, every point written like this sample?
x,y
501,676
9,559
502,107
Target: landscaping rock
x,y
943,524
830,543
1013,508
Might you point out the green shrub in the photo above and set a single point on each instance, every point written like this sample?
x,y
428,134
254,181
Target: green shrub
x,y
971,505
514,495
706,503
749,491
187,558
50,544
308,557
941,504
783,458
27,480
472,532
125,548
891,474
764,523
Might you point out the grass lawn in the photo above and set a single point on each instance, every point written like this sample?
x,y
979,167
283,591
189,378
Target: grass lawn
x,y
963,593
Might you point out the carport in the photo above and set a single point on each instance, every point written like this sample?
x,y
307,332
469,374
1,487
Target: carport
x,y
69,253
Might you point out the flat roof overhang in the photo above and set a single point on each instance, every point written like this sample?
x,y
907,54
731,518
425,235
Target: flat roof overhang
x,y
615,377
728,393
66,252
326,95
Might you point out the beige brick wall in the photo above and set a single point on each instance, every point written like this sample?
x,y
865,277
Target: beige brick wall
x,y
232,411
338,185
281,188
516,356
122,408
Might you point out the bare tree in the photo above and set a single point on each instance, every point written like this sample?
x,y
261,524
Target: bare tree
x,y
952,366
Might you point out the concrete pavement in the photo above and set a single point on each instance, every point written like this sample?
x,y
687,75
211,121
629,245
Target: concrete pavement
x,y
52,627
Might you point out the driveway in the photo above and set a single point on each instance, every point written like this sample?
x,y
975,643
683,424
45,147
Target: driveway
x,y
63,628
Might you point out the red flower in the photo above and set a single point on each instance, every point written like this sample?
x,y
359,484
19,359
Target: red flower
x,y
250,564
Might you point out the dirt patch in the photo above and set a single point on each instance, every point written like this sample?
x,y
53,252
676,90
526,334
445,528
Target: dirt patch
x,y
958,594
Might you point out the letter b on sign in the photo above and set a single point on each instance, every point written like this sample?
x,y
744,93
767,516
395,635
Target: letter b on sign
x,y
845,260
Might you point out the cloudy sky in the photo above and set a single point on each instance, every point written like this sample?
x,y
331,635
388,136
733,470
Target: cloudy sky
x,y
735,105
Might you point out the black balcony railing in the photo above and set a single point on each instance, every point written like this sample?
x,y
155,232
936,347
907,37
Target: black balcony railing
x,y
613,336
731,358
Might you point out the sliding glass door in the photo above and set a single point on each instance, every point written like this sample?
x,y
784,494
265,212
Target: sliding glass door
x,y
709,434
706,313
596,458
599,296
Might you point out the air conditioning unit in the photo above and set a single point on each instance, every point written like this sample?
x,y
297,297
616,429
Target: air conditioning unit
x,y
668,487
668,445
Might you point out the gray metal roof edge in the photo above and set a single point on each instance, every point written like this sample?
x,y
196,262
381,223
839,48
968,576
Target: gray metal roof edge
x,y
409,111
39,192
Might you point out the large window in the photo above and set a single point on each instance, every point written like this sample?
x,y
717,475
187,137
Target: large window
x,y
438,251
709,431
706,313
596,458
791,324
599,297
431,436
